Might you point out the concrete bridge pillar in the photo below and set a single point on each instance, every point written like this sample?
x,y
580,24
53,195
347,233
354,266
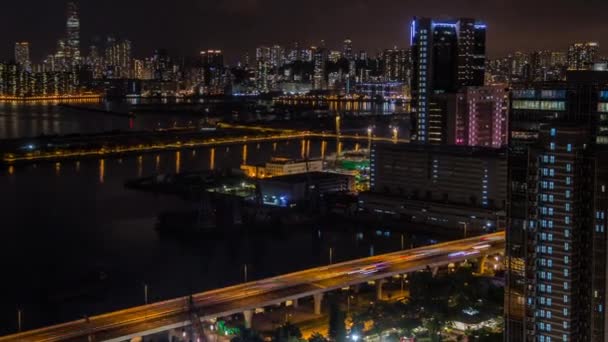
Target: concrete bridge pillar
x,y
435,270
295,303
248,316
379,284
175,335
318,297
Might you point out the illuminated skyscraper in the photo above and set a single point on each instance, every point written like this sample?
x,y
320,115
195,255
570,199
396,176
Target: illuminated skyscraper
x,y
212,62
446,55
557,210
22,54
162,65
118,58
320,58
277,57
581,56
263,68
479,117
72,46
396,65
348,49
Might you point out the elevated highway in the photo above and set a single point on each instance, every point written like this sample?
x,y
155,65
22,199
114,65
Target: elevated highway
x,y
244,298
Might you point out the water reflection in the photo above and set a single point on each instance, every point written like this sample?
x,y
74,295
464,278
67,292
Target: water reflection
x,y
178,161
102,171
212,159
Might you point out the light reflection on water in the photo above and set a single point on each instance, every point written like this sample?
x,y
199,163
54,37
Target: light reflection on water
x,y
65,222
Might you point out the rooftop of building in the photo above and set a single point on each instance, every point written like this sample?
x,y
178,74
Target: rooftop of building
x,y
305,177
283,160
471,151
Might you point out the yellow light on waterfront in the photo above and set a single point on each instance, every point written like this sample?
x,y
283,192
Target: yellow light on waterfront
x,y
303,148
338,124
274,147
339,149
357,147
157,163
245,154
102,171
57,168
11,170
212,159
178,161
78,166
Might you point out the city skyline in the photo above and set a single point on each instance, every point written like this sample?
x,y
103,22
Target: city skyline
x,y
206,24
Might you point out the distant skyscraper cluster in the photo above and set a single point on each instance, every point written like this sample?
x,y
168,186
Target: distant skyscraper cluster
x,y
320,69
544,65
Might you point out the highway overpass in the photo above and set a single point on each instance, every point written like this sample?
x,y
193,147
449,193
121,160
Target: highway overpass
x,y
173,314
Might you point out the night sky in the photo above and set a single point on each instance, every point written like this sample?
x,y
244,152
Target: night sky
x,y
186,26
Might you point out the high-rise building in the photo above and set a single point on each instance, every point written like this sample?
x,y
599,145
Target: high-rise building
x,y
478,117
162,65
581,56
556,236
348,49
334,56
72,34
320,58
212,62
95,62
559,58
446,55
277,57
396,65
22,54
263,69
295,53
118,60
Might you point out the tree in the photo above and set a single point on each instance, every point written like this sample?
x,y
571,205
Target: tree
x,y
433,325
247,335
337,328
287,333
317,337
484,335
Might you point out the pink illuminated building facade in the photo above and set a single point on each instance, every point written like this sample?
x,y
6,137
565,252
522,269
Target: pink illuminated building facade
x,y
479,117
